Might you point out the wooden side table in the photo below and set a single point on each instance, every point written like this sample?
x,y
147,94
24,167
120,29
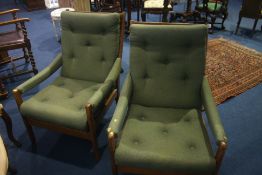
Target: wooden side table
x,y
8,123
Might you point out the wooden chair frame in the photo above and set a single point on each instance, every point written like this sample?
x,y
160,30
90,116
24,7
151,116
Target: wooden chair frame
x,y
25,46
113,138
89,134
223,14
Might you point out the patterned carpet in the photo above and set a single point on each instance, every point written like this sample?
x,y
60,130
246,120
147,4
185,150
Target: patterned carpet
x,y
231,68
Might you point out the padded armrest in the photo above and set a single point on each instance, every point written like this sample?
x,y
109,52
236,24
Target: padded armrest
x,y
109,82
41,76
118,119
115,71
212,112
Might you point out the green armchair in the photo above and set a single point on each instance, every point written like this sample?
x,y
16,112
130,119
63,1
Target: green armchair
x,y
157,127
88,83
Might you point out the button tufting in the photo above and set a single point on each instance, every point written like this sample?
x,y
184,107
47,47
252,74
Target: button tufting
x,y
185,77
61,84
136,141
187,119
44,99
164,131
192,147
142,118
146,76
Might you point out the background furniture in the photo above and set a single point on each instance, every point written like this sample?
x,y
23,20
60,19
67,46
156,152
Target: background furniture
x,y
90,63
250,9
157,127
156,7
212,9
56,19
8,122
15,39
34,4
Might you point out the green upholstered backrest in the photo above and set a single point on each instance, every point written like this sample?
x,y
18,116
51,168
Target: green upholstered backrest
x,y
167,64
90,44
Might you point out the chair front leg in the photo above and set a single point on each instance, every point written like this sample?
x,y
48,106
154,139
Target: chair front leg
x,y
92,130
238,23
222,146
19,101
112,146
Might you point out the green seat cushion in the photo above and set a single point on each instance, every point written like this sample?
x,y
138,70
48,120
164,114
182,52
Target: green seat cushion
x,y
165,139
62,102
211,6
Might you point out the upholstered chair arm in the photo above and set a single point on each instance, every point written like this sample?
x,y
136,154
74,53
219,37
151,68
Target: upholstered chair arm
x,y
115,71
118,119
41,76
212,113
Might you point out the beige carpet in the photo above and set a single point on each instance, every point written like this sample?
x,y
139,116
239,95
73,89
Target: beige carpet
x,y
231,68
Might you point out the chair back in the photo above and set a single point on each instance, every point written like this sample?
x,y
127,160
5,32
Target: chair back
x,y
90,44
167,64
251,8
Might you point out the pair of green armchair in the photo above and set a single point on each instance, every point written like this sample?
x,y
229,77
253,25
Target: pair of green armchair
x,y
157,125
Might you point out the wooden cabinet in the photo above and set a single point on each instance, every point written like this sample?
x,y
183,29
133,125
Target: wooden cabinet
x,y
34,4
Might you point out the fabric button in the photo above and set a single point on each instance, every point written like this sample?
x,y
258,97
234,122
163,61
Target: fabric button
x,y
136,141
142,118
192,147
44,99
187,119
164,131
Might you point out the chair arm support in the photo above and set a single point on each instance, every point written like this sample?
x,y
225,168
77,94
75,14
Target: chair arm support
x,y
14,21
118,118
212,112
115,71
9,11
41,76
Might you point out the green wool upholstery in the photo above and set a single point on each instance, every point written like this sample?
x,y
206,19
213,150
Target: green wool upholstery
x,y
212,6
158,120
166,139
62,102
90,45
90,68
167,64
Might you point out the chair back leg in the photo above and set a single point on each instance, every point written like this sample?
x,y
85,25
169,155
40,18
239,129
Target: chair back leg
x,y
254,27
238,23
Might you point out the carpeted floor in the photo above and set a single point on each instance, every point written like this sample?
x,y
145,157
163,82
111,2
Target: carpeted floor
x,y
231,68
61,154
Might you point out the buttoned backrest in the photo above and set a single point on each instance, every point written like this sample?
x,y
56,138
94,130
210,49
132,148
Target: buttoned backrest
x,y
90,44
167,64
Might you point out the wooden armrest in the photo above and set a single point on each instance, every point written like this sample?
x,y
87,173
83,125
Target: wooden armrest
x,y
14,21
9,11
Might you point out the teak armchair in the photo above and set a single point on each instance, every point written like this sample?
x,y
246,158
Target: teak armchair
x,y
88,83
11,40
157,127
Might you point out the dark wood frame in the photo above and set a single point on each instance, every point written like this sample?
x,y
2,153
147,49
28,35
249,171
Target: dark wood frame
x,y
89,134
164,11
222,13
256,16
8,122
113,137
25,46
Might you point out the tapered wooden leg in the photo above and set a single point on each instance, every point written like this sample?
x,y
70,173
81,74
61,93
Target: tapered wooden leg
x,y
92,130
223,21
3,91
26,55
31,58
30,131
254,27
143,16
8,124
238,23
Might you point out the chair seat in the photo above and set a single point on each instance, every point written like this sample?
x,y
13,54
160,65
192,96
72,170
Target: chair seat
x,y
165,138
9,38
62,102
211,6
149,4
